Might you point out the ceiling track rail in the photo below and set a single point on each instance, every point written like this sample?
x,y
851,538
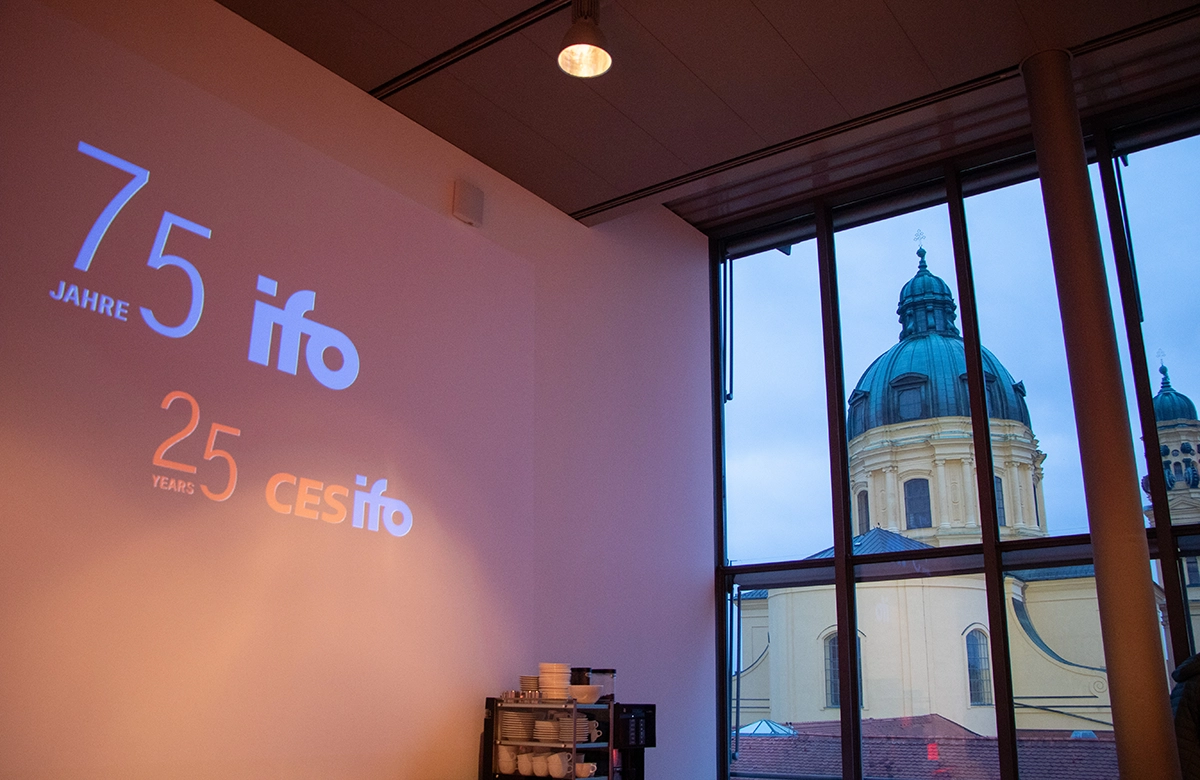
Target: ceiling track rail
x,y
465,49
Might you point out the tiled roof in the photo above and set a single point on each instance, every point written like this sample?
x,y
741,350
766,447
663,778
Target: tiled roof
x,y
926,748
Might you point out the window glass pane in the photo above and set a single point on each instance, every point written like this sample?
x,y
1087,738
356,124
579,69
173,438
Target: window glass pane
x,y
1035,449
1189,563
916,504
1162,190
776,442
927,703
1060,688
1000,502
979,668
908,406
786,725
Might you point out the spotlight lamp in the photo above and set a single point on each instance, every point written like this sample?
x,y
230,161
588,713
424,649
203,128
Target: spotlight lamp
x,y
584,51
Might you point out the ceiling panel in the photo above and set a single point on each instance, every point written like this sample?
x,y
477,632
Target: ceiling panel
x,y
333,34
429,28
526,82
450,108
733,49
658,93
986,37
856,48
1068,23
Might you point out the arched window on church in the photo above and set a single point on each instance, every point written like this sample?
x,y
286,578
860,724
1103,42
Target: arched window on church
x,y
979,668
833,686
1000,501
864,512
833,696
916,504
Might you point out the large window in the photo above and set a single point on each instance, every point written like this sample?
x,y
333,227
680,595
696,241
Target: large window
x,y
979,669
952,370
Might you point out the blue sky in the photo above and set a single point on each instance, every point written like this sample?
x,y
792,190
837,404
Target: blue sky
x,y
776,438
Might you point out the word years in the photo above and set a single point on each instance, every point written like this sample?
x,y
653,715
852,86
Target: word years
x,y
177,485
90,299
292,323
314,499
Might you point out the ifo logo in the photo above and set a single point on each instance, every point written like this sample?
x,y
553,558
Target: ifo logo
x,y
292,323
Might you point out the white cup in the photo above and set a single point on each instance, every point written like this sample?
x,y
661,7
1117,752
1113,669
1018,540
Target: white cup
x,y
525,764
507,766
540,767
559,764
506,753
585,770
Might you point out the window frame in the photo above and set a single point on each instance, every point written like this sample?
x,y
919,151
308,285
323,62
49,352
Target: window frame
x,y
818,218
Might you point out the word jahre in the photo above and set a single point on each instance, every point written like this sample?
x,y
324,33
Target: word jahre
x,y
88,299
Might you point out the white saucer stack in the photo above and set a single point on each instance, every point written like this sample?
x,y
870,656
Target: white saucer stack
x,y
546,731
554,680
529,682
581,731
516,726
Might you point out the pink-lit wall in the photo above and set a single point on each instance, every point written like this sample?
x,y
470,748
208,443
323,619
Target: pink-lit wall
x,y
535,391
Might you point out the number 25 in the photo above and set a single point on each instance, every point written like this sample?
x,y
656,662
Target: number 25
x,y
210,451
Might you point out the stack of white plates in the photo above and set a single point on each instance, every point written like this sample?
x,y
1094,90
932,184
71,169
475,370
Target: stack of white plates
x,y
546,731
529,682
581,731
554,680
516,726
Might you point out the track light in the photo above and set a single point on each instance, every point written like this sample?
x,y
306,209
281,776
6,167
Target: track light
x,y
584,51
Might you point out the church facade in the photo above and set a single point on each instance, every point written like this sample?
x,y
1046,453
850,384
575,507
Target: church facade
x,y
924,641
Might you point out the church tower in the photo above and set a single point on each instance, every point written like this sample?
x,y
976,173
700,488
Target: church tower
x,y
1178,438
912,462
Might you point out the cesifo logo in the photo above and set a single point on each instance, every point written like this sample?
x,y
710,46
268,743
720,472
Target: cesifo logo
x,y
314,499
292,323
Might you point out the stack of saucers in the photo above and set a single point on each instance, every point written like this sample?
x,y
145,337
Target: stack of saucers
x,y
546,731
516,726
554,680
529,682
580,731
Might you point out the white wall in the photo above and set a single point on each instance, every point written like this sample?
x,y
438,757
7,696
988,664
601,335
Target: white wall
x,y
536,391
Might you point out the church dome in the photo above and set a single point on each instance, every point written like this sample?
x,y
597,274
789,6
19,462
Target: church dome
x,y
925,374
1170,404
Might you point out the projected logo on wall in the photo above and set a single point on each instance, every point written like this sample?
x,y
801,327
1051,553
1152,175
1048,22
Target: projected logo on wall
x,y
290,318
285,493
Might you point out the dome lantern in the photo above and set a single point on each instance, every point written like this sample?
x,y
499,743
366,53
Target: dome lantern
x,y
926,304
1170,404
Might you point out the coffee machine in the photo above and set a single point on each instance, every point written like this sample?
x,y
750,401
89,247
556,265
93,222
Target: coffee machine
x,y
632,732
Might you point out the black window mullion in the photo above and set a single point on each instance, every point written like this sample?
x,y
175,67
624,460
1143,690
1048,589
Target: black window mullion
x,y
722,581
835,394
1131,306
1006,726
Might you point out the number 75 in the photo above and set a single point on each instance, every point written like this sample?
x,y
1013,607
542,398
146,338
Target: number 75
x,y
87,252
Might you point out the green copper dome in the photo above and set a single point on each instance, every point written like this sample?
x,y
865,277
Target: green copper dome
x,y
925,375
1170,404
